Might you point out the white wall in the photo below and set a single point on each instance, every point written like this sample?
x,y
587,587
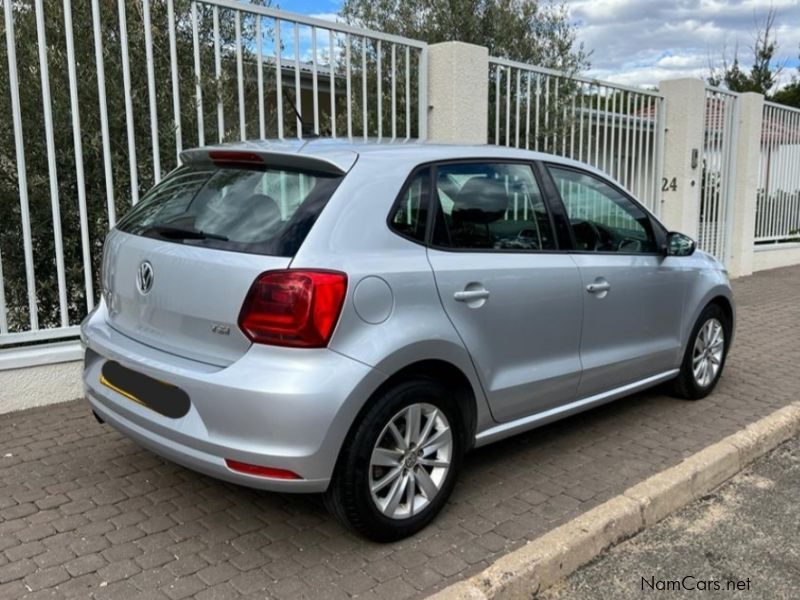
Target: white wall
x,y
36,386
774,256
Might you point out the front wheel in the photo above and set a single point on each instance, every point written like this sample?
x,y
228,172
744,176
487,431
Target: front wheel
x,y
705,355
400,465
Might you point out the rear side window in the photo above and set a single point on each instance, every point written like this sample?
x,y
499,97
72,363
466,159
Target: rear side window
x,y
491,207
410,214
255,211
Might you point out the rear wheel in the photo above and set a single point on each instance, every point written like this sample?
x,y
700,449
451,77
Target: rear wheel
x,y
400,464
705,355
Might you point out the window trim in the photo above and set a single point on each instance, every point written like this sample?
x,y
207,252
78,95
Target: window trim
x,y
434,205
562,227
657,229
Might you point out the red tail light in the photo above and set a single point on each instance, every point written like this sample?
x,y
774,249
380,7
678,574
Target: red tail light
x,y
293,308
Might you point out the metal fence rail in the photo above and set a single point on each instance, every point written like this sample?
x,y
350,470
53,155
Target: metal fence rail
x,y
615,128
778,202
140,81
717,184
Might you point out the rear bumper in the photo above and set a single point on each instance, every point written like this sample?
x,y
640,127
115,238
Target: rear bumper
x,y
276,407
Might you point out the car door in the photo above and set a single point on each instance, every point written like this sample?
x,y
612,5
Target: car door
x,y
515,301
633,295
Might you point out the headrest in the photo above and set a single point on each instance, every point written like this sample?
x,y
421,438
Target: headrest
x,y
481,200
263,203
255,218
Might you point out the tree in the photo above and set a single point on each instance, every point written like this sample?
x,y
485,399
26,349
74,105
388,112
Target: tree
x,y
538,33
764,73
790,93
528,31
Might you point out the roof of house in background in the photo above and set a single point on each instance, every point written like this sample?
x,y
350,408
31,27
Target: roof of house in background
x,y
773,130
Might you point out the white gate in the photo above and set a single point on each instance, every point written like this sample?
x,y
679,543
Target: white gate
x,y
717,180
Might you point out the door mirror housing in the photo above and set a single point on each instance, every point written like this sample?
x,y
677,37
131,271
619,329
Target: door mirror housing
x,y
679,244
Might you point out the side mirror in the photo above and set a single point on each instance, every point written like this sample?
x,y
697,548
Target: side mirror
x,y
679,245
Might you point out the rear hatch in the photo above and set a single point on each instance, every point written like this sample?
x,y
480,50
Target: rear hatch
x,y
177,268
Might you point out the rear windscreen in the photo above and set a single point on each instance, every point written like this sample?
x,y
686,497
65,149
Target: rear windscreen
x,y
260,212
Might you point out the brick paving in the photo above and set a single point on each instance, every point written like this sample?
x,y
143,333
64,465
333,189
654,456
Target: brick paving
x,y
84,512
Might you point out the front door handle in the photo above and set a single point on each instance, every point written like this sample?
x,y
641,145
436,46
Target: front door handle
x,y
598,287
471,295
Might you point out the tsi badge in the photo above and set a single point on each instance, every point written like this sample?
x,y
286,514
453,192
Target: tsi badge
x,y
144,277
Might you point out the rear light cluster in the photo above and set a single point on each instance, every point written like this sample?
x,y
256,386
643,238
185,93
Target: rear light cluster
x,y
293,308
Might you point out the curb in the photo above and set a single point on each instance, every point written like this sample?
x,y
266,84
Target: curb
x,y
546,560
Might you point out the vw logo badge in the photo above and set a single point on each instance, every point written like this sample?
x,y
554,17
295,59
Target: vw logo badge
x,y
144,277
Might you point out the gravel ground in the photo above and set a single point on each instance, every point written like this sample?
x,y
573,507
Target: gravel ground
x,y
741,541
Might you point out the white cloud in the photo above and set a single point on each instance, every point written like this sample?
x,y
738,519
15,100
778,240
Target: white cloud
x,y
328,16
640,42
681,61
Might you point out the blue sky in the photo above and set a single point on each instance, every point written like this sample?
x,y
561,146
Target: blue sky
x,y
640,42
308,7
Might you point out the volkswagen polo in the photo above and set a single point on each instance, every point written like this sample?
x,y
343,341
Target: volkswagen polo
x,y
351,319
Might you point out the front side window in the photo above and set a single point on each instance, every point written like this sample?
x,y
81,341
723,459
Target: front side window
x,y
490,206
602,218
266,211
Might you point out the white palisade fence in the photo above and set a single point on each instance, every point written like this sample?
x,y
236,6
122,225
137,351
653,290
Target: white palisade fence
x,y
121,87
778,204
613,127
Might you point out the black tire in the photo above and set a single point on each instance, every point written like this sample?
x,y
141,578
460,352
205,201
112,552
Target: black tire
x,y
685,385
349,497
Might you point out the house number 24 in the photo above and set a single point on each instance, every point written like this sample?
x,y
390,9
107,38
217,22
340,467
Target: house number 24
x,y
669,185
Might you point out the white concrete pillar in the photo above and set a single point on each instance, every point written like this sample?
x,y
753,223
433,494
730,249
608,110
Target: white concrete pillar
x,y
745,171
683,145
458,93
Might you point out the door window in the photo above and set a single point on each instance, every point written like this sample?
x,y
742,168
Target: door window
x,y
603,219
490,206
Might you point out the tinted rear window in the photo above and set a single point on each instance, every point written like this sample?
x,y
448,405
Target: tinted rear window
x,y
259,212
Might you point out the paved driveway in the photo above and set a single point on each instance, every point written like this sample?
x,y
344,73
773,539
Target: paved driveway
x,y
84,511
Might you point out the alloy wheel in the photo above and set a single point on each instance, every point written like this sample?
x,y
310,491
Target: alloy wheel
x,y
708,352
410,461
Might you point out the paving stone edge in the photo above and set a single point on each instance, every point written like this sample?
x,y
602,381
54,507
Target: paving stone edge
x,y
550,558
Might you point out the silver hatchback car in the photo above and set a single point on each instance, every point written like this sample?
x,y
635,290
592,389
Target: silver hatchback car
x,y
351,319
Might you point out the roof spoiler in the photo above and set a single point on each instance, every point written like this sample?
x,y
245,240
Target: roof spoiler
x,y
337,164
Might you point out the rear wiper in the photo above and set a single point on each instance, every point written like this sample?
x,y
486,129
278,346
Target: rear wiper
x,y
180,233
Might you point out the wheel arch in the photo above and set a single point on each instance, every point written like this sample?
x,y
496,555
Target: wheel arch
x,y
451,376
726,305
438,368
723,299
721,296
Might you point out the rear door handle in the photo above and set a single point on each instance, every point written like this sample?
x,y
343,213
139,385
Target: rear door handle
x,y
471,295
597,287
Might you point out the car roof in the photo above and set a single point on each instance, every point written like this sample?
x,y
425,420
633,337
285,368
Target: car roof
x,y
343,152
